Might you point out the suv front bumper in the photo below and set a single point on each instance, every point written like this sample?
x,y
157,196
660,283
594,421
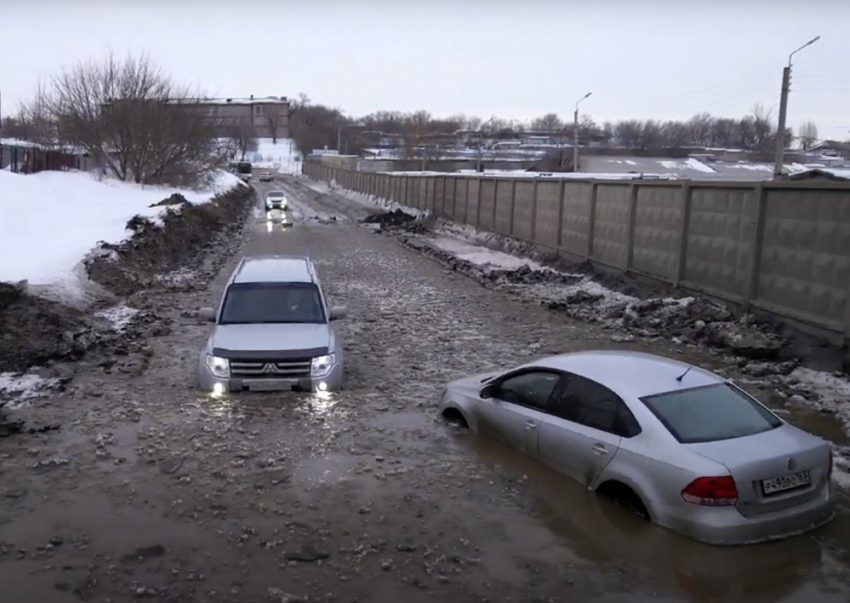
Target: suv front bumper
x,y
329,383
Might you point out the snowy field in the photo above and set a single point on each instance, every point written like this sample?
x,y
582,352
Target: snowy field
x,y
51,220
282,156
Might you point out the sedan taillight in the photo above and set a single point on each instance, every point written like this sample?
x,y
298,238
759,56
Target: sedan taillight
x,y
718,491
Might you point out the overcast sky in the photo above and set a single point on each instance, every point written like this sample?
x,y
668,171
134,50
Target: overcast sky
x,y
661,59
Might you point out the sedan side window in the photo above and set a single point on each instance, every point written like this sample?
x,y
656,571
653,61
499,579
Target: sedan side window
x,y
528,389
591,404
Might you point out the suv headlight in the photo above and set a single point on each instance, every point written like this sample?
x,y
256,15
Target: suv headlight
x,y
322,365
219,367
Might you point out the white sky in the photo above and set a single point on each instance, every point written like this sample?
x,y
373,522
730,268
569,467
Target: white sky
x,y
662,59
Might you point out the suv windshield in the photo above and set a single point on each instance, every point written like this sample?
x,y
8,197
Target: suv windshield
x,y
272,303
710,413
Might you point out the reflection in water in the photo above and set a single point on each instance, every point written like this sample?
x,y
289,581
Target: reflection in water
x,y
599,531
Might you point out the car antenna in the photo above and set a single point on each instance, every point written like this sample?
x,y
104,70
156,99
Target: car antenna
x,y
682,376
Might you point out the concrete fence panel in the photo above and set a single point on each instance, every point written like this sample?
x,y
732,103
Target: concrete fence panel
x,y
611,224
524,209
444,203
780,247
487,205
576,217
658,229
547,219
720,233
473,196
504,206
804,263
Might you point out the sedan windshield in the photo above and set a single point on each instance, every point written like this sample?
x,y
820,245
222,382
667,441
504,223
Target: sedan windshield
x,y
710,413
272,303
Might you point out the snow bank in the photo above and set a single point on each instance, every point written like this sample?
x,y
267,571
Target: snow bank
x,y
49,221
16,389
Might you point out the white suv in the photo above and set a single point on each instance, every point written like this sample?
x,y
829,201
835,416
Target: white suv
x,y
274,330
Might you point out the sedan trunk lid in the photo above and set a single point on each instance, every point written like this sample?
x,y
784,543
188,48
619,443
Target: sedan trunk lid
x,y
784,452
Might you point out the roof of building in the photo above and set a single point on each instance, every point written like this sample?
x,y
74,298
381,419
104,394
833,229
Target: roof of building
x,y
842,174
685,167
275,269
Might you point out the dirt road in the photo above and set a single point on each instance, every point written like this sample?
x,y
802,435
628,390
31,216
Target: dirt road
x,y
151,490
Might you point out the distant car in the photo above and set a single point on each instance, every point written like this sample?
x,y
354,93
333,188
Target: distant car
x,y
266,177
683,447
274,331
276,200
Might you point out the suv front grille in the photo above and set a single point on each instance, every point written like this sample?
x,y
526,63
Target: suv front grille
x,y
296,368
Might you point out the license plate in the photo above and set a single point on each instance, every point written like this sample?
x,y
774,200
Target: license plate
x,y
786,482
269,386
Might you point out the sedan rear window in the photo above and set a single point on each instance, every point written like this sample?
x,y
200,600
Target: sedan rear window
x,y
710,413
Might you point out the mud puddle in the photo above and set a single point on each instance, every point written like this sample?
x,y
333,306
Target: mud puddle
x,y
595,530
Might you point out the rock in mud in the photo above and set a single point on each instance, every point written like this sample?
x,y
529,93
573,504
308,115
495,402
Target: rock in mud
x,y
389,218
307,554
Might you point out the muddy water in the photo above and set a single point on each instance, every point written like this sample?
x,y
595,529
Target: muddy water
x,y
400,506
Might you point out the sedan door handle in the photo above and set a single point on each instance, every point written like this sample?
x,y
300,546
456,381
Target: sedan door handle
x,y
599,449
530,425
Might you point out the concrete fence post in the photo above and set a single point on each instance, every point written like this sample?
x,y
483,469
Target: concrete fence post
x,y
466,200
454,198
630,239
533,226
684,229
561,194
513,207
591,219
756,242
478,206
433,194
495,204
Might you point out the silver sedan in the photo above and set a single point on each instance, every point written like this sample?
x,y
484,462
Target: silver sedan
x,y
682,446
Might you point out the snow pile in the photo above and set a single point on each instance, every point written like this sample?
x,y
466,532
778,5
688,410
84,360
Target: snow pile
x,y
51,220
119,316
688,164
18,388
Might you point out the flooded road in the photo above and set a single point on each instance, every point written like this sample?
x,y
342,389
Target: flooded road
x,y
153,490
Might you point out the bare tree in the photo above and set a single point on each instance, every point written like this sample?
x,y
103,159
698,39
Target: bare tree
x,y
135,119
242,138
808,135
276,116
548,123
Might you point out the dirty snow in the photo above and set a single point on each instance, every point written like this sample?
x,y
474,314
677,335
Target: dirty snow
x,y
51,220
119,316
17,388
688,164
483,257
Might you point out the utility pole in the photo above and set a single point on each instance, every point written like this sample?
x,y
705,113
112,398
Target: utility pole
x,y
783,111
575,133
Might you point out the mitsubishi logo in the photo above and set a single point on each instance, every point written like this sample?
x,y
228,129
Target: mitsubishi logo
x,y
270,367
791,464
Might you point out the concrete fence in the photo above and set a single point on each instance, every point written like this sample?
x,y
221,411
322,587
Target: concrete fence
x,y
779,247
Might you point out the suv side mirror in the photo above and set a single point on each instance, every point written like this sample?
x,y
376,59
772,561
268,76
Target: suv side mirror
x,y
486,392
338,312
207,314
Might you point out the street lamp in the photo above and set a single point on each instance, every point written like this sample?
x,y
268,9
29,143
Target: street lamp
x,y
783,110
575,132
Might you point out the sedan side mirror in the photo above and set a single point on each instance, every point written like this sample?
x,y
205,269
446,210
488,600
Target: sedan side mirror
x,y
207,314
486,392
338,312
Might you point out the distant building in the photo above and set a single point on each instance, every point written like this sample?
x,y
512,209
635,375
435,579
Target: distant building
x,y
268,117
260,117
832,148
